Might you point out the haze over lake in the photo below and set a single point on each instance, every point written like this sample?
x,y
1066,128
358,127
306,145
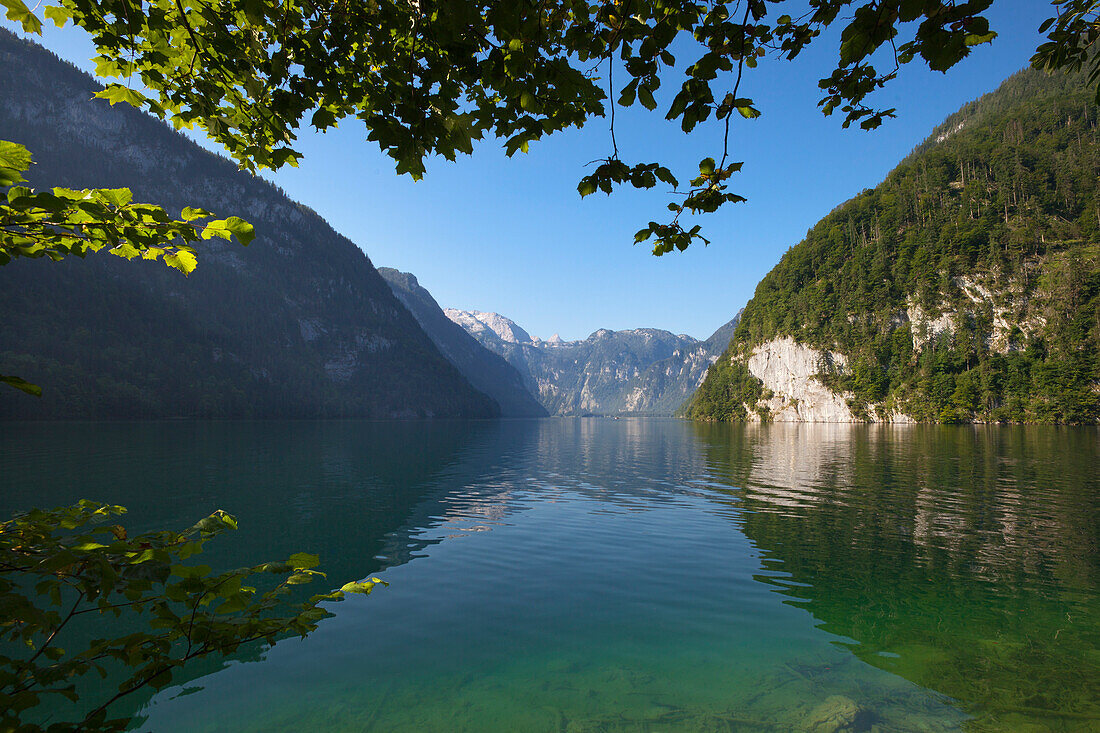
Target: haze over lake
x,y
643,574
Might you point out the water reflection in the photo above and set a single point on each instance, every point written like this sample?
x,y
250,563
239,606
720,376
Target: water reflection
x,y
352,492
359,494
589,580
591,574
964,559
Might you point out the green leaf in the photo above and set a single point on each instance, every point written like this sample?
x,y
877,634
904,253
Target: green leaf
x,y
976,39
21,14
191,213
126,250
626,98
116,196
364,587
190,571
58,15
115,93
241,229
323,118
14,160
190,549
182,260
303,561
22,385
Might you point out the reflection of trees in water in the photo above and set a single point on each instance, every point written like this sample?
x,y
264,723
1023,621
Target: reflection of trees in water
x,y
970,553
355,493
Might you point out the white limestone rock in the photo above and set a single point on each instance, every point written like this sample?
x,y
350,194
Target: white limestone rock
x,y
789,370
924,326
476,322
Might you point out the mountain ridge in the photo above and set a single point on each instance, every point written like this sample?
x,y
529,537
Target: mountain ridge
x,y
642,371
299,324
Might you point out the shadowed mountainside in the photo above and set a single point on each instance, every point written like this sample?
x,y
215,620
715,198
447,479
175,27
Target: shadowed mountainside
x,y
486,371
298,324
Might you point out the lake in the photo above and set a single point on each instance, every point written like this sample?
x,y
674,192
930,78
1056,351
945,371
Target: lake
x,y
633,574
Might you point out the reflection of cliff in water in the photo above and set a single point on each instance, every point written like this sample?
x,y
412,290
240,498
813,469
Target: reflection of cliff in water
x,y
964,559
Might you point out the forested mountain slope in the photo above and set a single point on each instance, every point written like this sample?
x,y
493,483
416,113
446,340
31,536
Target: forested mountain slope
x,y
486,371
298,324
964,287
644,371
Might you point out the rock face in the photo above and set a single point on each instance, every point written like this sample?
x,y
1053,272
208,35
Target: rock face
x,y
791,374
486,371
1012,318
298,324
484,324
789,370
643,371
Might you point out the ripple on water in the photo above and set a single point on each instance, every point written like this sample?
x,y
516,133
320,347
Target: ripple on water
x,y
594,575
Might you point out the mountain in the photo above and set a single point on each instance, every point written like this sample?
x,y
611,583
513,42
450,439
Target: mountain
x,y
490,325
298,324
485,370
965,287
644,371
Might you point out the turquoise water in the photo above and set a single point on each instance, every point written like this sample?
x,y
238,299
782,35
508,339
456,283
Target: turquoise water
x,y
604,575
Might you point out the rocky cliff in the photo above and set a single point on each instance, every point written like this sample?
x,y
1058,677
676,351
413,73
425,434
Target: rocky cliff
x,y
965,287
643,371
298,324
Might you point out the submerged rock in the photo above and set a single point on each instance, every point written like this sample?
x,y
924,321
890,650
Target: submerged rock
x,y
836,713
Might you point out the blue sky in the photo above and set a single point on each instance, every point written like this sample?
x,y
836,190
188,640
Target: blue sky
x,y
513,236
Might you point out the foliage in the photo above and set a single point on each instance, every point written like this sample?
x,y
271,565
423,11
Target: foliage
x,y
67,222
1072,36
727,393
61,564
1004,196
70,222
431,78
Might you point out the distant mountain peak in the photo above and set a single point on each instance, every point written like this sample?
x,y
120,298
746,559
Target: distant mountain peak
x,y
642,371
477,322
